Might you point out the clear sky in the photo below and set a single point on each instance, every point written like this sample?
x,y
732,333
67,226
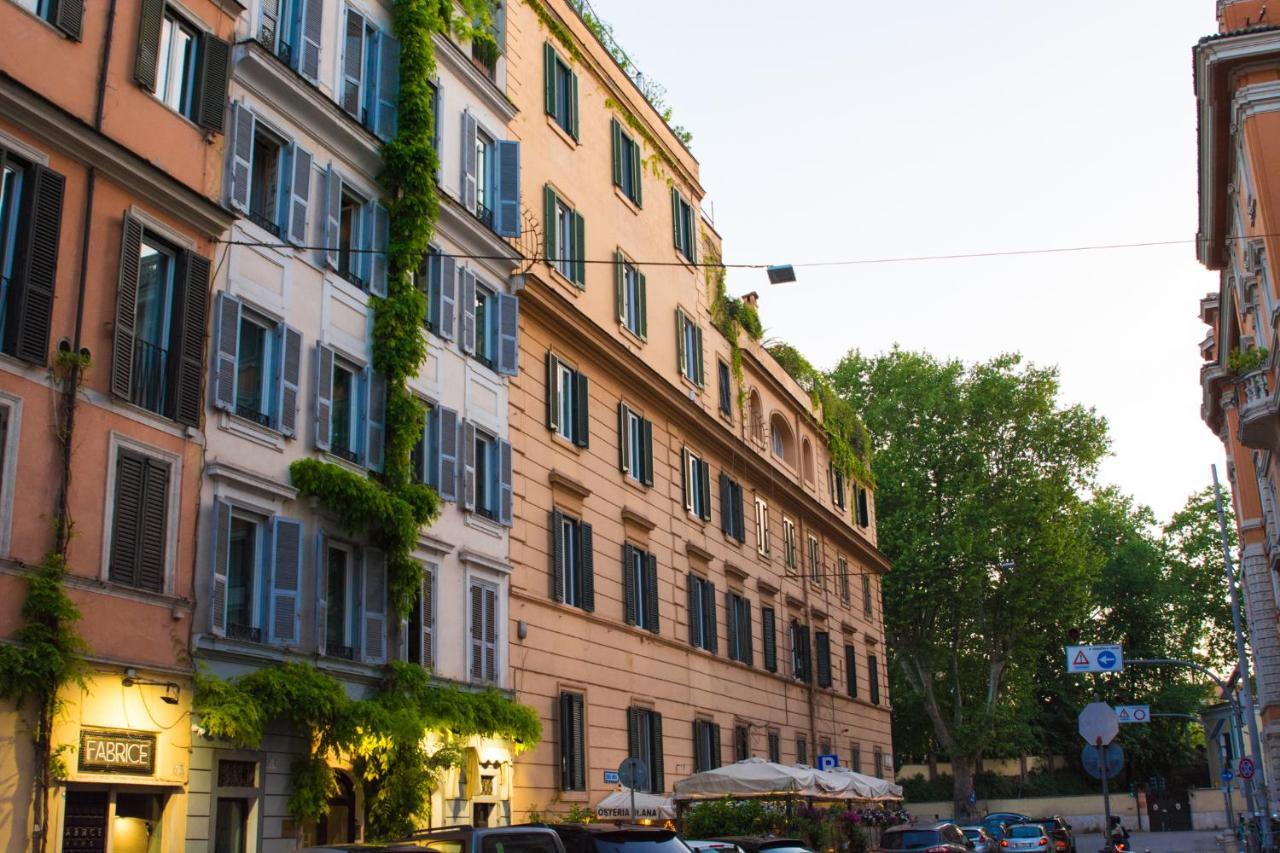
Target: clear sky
x,y
845,129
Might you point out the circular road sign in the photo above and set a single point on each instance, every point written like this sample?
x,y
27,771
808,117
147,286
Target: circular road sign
x,y
1098,722
1092,761
1227,775
1107,659
1246,768
632,772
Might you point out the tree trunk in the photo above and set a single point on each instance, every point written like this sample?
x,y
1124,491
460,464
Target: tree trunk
x,y
962,787
932,760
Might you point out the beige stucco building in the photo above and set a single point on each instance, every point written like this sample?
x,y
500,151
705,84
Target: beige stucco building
x,y
693,583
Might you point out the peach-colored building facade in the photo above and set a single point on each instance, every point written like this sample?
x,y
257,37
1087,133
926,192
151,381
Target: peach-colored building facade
x,y
1238,106
111,149
658,520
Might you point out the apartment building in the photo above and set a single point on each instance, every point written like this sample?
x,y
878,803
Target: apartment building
x,y
694,582
111,147
1237,98
313,96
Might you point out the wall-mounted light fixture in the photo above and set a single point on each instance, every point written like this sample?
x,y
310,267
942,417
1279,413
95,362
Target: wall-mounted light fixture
x,y
171,690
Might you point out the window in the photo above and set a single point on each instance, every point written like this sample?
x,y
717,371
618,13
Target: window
x,y
565,238
231,825
30,228
257,571
800,653
877,759
66,15
842,569
762,527
176,85
370,74
264,184
350,231
635,445
420,630
350,410
184,66
815,560
706,746
851,672
769,634
824,747
356,233
732,514
702,614
436,457
696,484
572,558
855,758
484,151
775,747
866,596
789,544
486,325
684,226
689,348
568,396
741,743
339,616
486,474
627,162
158,355
490,323
268,178
351,591
864,512
782,443
429,279
139,524
258,365
630,296
822,655
486,487
838,495
873,675
484,632
561,91
755,415
806,460
243,566
640,587
739,617
726,388
573,776
644,741
802,750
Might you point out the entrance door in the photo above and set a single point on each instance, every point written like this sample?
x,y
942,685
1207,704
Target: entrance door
x,y
1169,811
84,827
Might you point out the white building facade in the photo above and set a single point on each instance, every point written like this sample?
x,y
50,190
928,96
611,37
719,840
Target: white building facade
x,y
313,97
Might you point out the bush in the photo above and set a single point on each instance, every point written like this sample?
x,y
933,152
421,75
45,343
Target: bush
x,y
715,818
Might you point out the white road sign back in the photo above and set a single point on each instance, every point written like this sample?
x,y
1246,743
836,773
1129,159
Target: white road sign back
x,y
1133,713
1098,723
1095,659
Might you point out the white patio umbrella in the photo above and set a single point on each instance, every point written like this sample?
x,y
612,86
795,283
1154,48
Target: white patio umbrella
x,y
752,777
617,805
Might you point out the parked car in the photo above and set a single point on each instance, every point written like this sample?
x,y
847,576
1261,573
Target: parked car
x,y
941,837
983,841
606,838
364,848
1027,838
998,823
767,844
702,846
1059,833
480,839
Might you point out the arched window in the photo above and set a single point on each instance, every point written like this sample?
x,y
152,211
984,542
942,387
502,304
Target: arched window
x,y
755,416
806,460
339,825
784,443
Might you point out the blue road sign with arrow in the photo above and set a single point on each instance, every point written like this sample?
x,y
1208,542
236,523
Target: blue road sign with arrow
x,y
1093,764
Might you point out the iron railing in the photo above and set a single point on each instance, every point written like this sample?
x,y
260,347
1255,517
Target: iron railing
x,y
150,376
251,414
264,222
244,632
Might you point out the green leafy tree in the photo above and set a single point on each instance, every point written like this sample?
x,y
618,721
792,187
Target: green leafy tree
x,y
979,473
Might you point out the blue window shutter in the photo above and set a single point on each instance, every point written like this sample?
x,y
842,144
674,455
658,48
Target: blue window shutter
x,y
505,496
352,79
447,476
226,346
446,316
299,197
324,397
290,378
508,332
374,600
306,58
468,465
388,86
375,430
241,155
467,295
507,217
468,161
332,210
322,588
378,261
286,579
218,573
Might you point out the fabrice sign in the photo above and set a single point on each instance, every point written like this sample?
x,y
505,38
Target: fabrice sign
x,y
104,751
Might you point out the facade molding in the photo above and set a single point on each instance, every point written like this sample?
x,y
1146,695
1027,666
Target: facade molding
x,y
450,55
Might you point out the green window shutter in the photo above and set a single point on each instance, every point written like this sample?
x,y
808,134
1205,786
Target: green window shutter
x,y
682,356
637,169
624,448
646,432
629,584
698,365
573,105
549,222
549,77
642,307
616,135
553,393
620,286
581,411
651,591
579,250
675,217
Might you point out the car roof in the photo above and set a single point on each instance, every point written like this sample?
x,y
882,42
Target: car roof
x,y
601,828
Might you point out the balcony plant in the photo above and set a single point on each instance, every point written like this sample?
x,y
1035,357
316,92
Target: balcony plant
x,y
1244,361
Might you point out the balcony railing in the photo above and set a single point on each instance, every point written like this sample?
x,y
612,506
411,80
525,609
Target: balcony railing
x,y
484,214
251,414
264,222
1258,411
150,376
344,652
244,632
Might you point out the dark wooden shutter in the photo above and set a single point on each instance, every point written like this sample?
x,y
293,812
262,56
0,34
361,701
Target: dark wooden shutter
x,y
553,393
615,135
549,77
581,410
713,732
31,305
629,584
215,69
126,309
637,173
324,397
286,579
573,106
726,504
147,59
549,223
307,56
508,361
851,672
226,347
68,16
579,250
741,516
657,771
694,610
299,196
748,642
195,318
705,484
218,573
873,678
643,306
388,86
153,525
290,378
768,630
447,472
822,642
710,629
731,622
572,746
646,446
558,554
651,592
586,552
675,219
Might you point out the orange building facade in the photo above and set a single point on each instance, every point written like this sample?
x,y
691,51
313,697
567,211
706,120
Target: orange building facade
x,y
111,151
693,584
1238,109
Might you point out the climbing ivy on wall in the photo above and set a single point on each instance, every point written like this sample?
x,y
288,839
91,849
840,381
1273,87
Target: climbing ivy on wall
x,y
729,314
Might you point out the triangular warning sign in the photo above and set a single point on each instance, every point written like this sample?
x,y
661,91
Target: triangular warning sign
x,y
1124,714
1081,659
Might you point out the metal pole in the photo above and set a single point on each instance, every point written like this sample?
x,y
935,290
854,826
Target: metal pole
x,y
1106,796
1226,786
633,806
1246,690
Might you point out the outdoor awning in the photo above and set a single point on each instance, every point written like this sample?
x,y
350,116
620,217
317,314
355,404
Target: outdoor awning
x,y
617,806
756,777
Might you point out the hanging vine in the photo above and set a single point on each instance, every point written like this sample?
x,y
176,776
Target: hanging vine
x,y
729,315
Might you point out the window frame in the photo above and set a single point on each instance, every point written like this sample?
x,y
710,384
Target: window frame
x,y
173,20
814,557
762,526
842,571
573,762
10,437
724,380
350,616
789,545
258,587
119,442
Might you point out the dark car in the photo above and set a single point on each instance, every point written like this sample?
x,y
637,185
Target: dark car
x,y
942,837
766,844
478,839
606,838
1059,833
998,823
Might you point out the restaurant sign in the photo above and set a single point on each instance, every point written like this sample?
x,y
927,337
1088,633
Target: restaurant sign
x,y
103,751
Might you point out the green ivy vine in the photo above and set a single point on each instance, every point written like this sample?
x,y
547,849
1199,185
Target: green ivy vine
x,y
729,315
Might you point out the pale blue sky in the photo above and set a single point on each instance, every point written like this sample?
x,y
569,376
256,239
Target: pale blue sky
x,y
838,130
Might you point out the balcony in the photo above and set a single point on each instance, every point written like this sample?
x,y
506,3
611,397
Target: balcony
x,y
150,377
1259,412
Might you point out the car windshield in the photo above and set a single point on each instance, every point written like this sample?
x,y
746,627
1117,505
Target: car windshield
x,y
973,833
1026,831
639,842
532,842
908,839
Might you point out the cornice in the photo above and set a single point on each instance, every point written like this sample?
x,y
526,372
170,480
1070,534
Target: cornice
x,y
577,488
473,237
695,550
486,91
640,520
57,127
250,480
543,301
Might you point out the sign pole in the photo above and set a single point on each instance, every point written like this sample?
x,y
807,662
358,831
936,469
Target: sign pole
x,y
1106,794
633,805
1262,811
